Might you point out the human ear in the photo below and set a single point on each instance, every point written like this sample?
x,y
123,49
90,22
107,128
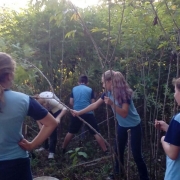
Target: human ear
x,y
10,76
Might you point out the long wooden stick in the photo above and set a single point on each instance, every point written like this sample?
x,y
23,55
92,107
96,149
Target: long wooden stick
x,y
129,152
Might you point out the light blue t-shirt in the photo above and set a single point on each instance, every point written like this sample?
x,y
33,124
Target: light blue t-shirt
x,y
82,96
15,108
173,137
132,119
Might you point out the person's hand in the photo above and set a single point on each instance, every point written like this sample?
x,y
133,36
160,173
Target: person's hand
x,y
26,145
108,101
74,113
161,125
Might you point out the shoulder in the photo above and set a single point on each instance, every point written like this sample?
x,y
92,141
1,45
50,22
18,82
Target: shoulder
x,y
130,102
87,87
175,123
75,87
16,95
36,111
173,132
177,117
81,86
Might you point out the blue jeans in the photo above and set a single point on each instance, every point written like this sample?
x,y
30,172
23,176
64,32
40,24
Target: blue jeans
x,y
135,147
51,143
53,137
16,169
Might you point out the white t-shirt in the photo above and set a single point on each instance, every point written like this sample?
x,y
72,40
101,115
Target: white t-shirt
x,y
52,101
48,94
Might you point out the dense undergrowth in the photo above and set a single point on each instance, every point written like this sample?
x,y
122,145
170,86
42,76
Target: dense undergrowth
x,y
96,166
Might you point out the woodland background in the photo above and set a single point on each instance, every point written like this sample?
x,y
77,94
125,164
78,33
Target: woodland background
x,y
139,38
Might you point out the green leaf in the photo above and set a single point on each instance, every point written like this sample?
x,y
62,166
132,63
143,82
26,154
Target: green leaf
x,y
70,151
73,156
75,160
96,29
70,34
83,154
77,149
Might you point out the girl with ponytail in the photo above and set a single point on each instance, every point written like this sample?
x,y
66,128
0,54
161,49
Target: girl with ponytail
x,y
7,67
15,106
119,96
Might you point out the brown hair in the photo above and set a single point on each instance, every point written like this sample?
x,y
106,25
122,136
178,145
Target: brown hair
x,y
83,79
176,82
120,88
7,66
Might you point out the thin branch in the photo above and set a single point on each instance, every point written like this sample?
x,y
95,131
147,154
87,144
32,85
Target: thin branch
x,y
119,32
109,32
89,34
129,153
166,35
171,15
88,130
90,162
166,89
157,92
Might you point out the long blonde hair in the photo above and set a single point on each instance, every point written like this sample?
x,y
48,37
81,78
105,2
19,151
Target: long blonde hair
x,y
7,66
120,88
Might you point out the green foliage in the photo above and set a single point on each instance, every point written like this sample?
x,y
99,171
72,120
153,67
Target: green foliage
x,y
3,46
34,162
75,154
70,34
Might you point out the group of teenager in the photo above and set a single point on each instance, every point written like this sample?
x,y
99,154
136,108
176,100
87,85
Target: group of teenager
x,y
47,110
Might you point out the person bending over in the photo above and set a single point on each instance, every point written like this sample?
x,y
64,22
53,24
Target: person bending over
x,y
51,102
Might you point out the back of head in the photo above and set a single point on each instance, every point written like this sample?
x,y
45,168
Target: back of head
x,y
116,76
108,75
120,88
7,66
83,79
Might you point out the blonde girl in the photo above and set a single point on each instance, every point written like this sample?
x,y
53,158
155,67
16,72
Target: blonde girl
x,y
119,97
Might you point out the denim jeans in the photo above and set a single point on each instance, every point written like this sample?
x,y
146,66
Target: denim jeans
x,y
16,169
135,147
51,143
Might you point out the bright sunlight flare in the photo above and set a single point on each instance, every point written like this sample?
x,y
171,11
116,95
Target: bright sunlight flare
x,y
84,3
13,4
17,4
